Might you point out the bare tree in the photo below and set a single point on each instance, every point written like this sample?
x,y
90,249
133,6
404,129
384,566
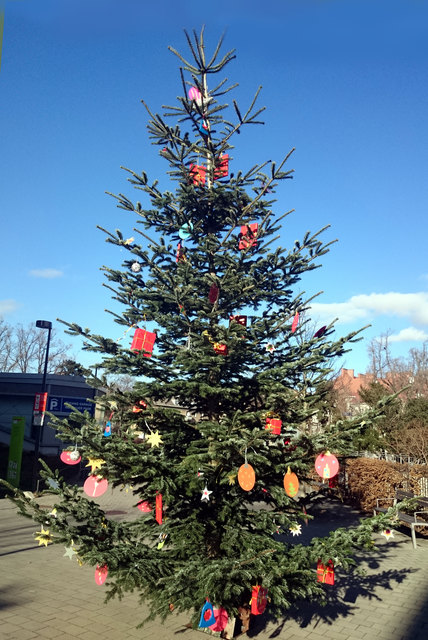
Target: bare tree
x,y
23,349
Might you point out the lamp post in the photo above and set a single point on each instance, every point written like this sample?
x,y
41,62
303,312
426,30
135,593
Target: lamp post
x,y
41,324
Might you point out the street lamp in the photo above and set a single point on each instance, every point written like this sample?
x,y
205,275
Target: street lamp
x,y
41,324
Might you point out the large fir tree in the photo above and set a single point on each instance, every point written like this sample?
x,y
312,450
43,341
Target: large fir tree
x,y
220,296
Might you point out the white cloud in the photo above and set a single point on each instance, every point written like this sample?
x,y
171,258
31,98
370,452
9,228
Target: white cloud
x,y
409,335
46,273
413,306
7,306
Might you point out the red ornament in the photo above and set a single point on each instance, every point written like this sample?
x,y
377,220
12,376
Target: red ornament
x,y
220,348
179,256
138,409
95,486
325,573
194,94
158,514
242,320
101,574
248,236
320,332
70,457
326,465
197,174
213,294
221,618
143,341
258,600
222,171
295,322
144,506
273,424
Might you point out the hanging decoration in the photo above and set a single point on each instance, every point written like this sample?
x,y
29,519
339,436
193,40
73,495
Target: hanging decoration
x,y
242,320
185,231
71,457
207,615
246,477
43,536
95,486
270,347
258,600
197,174
143,341
205,494
291,483
221,618
158,510
95,463
107,429
273,423
248,236
136,267
179,256
326,465
222,171
161,540
69,552
144,506
296,529
195,95
137,408
320,332
154,439
388,534
101,573
295,322
203,129
325,573
221,348
213,294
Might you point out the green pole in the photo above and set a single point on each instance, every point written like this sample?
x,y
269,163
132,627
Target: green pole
x,y
13,474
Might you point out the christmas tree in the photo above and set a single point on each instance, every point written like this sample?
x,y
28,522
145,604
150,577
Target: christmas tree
x,y
213,437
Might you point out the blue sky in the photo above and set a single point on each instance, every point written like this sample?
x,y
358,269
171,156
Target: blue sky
x,y
344,82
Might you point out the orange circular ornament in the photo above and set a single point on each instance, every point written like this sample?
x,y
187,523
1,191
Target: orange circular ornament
x,y
246,477
291,483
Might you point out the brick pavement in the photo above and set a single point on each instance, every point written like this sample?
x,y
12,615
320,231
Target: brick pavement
x,y
45,595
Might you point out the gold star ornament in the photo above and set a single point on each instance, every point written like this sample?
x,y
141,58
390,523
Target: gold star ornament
x,y
95,463
43,536
154,439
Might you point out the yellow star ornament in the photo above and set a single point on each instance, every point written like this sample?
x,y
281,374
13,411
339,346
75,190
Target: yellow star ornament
x,y
43,536
95,463
154,439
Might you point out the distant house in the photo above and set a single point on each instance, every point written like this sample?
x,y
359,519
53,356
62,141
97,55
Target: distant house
x,y
348,387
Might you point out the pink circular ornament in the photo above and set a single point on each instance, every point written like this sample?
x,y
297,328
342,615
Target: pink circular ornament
x,y
144,506
95,486
326,465
71,457
194,94
221,618
101,574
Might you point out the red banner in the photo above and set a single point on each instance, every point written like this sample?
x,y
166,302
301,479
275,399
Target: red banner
x,y
40,402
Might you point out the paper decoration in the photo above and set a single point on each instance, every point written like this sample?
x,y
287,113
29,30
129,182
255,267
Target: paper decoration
x,y
248,236
52,483
326,465
71,457
162,538
195,94
158,510
143,341
291,483
320,332
154,439
128,241
95,486
136,267
185,231
207,615
242,320
43,536
221,618
295,322
246,477
220,348
258,600
144,506
388,534
206,494
69,552
270,348
213,294
107,430
222,171
53,513
95,463
197,174
137,408
179,256
101,574
296,529
203,129
273,424
325,573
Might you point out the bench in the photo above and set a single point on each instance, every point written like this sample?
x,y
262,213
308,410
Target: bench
x,y
413,519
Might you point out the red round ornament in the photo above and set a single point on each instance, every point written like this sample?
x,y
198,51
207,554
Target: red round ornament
x,y
326,465
70,457
144,506
101,574
95,486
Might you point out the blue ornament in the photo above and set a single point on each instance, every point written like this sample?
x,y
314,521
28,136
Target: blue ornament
x,y
207,615
184,231
107,430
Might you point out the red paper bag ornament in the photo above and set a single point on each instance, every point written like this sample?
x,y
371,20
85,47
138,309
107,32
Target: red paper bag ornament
x,y
194,94
222,171
101,574
158,508
325,573
326,465
258,600
197,174
213,294
143,341
273,424
242,320
221,618
295,322
220,348
248,236
179,256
